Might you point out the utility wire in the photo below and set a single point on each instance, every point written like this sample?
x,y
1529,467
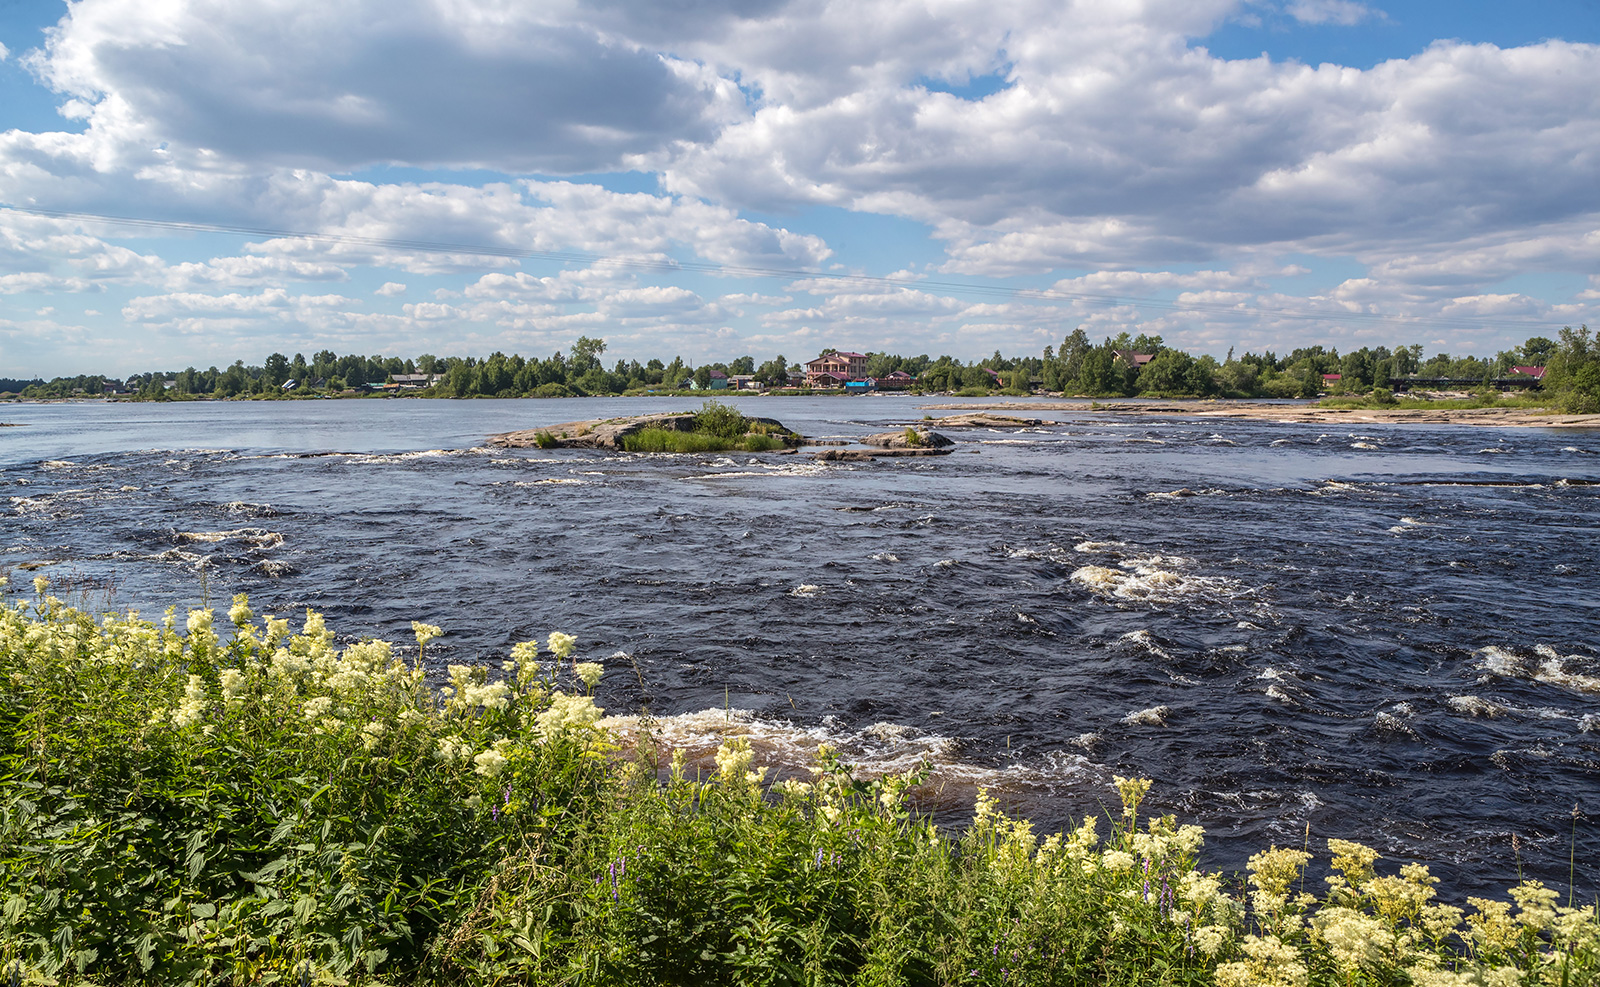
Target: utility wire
x,y
734,270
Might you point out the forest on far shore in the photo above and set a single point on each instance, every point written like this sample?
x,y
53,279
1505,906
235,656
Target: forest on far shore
x,y
1077,367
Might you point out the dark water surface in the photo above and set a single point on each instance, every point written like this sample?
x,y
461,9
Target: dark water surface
x,y
1386,634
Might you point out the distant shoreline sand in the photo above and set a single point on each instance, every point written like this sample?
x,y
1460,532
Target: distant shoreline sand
x,y
1302,414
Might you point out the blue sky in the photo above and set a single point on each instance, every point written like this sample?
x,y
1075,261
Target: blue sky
x,y
710,178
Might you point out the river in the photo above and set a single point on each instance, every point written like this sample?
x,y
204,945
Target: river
x,y
1385,634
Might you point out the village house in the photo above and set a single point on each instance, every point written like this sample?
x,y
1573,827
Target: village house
x,y
409,382
836,369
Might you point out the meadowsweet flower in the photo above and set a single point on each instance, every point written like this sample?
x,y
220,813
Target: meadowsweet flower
x,y
1441,920
1209,939
315,626
240,613
733,763
589,672
1535,904
1275,869
1502,976
489,764
40,584
1116,860
372,734
424,633
201,636
1270,963
188,712
983,809
1200,889
526,657
1132,791
561,644
568,716
676,769
1422,976
1083,839
277,630
1397,898
489,695
452,749
233,684
410,716
1353,939
317,708
1492,926
831,813
1353,860
793,787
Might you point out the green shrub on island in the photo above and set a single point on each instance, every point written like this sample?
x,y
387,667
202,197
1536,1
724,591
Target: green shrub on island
x,y
725,421
180,806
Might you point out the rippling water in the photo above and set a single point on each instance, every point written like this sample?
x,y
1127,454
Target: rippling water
x,y
1386,634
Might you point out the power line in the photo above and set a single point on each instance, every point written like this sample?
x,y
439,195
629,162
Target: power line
x,y
734,270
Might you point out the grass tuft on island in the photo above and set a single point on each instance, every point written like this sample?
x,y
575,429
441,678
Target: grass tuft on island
x,y
183,806
662,440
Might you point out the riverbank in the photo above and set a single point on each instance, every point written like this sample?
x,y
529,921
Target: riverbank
x,y
1293,413
258,805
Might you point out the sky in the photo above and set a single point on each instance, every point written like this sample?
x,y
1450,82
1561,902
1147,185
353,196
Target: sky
x,y
193,182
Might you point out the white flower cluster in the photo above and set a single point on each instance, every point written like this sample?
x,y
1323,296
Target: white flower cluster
x,y
734,758
188,712
568,717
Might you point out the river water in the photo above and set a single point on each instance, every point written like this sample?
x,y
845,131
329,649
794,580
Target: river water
x,y
1385,634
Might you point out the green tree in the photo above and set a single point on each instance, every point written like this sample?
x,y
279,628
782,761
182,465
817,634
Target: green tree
x,y
276,369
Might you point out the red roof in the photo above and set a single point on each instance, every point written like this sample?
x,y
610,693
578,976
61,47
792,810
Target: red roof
x,y
1332,376
1537,373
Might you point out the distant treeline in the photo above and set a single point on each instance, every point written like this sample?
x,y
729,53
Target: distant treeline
x,y
1114,367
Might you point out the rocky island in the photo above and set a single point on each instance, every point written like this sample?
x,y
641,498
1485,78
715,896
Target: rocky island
x,y
714,428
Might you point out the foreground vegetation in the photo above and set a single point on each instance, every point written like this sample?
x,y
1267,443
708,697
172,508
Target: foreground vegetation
x,y
183,806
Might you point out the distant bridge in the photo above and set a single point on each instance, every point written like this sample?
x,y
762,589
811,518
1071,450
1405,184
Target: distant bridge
x,y
1457,383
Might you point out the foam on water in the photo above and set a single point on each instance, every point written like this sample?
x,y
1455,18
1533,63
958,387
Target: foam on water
x,y
1155,579
1476,706
1093,547
259,538
1550,667
878,749
805,590
1155,716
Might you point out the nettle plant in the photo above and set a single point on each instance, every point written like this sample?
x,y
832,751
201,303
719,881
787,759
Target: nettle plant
x,y
177,807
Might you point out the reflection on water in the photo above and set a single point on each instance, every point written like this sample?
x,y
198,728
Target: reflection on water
x,y
1386,635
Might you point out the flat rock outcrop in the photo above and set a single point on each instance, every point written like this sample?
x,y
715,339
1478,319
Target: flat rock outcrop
x,y
925,439
980,419
609,433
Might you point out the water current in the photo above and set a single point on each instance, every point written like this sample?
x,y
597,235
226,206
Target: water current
x,y
1382,633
